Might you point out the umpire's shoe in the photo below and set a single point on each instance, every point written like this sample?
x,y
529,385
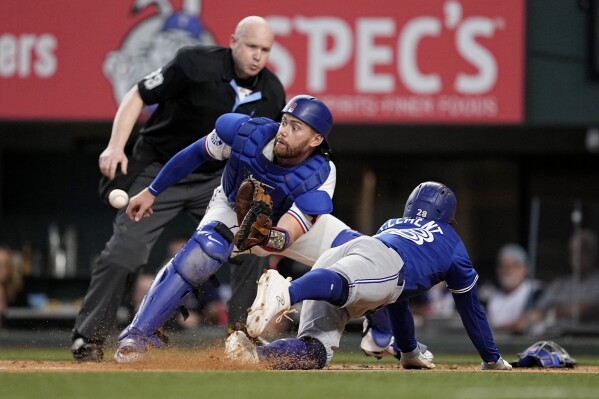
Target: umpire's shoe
x,y
85,350
272,300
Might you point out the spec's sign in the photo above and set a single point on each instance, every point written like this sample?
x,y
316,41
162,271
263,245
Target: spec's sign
x,y
387,61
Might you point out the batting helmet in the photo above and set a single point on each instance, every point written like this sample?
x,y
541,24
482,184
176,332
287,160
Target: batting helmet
x,y
312,111
431,200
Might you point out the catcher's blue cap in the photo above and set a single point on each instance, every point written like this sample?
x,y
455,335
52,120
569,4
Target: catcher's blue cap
x,y
313,112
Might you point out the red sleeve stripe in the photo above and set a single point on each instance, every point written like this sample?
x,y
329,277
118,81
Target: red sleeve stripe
x,y
299,220
206,148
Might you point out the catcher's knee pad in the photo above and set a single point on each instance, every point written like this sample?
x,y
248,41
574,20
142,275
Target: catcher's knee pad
x,y
204,253
345,236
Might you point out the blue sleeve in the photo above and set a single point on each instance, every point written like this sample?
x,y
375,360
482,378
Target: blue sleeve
x,y
182,164
475,322
402,323
461,275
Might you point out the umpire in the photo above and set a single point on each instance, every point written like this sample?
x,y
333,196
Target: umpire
x,y
192,91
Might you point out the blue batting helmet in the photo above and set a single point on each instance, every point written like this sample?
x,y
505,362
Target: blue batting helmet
x,y
312,111
431,200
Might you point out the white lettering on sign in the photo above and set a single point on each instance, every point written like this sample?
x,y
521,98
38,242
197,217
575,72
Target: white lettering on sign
x,y
481,58
280,57
369,54
333,44
323,58
28,55
414,32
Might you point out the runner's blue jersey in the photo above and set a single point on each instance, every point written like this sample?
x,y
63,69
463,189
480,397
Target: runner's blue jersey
x,y
432,252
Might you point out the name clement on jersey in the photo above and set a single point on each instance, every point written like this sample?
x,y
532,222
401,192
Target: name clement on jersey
x,y
419,234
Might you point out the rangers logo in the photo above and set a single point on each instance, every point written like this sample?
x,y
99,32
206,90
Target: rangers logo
x,y
216,140
291,108
152,42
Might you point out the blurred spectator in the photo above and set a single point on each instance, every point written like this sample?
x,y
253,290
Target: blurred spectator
x,y
571,299
205,306
508,302
10,280
438,302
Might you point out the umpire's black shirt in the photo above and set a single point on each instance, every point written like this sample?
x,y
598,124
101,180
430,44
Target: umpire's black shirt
x,y
192,91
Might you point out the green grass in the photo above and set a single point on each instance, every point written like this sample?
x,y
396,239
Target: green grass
x,y
375,384
290,385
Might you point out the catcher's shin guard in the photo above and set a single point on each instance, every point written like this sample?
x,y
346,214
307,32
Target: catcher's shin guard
x,y
164,297
204,253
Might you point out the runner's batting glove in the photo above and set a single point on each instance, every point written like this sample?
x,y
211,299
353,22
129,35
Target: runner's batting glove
x,y
500,364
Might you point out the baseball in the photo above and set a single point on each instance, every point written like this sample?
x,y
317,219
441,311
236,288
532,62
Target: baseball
x,y
118,198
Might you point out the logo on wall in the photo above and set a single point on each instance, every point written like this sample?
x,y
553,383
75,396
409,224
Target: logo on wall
x,y
153,42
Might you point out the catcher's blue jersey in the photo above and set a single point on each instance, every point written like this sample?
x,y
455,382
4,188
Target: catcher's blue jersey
x,y
286,185
432,252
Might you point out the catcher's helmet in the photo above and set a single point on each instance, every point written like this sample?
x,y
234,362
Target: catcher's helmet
x,y
544,354
312,111
431,200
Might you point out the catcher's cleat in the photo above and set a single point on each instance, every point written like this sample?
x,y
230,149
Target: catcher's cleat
x,y
84,350
134,345
272,300
238,347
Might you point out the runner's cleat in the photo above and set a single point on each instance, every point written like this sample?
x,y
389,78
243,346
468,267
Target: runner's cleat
x,y
272,300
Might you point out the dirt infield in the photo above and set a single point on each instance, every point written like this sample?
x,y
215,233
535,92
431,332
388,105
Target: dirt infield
x,y
212,359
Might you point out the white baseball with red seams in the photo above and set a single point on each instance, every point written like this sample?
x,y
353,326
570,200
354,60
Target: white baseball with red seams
x,y
118,198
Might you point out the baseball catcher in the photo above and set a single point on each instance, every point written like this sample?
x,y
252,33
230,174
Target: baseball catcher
x,y
293,219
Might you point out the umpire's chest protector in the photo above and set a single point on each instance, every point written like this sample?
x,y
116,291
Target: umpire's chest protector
x,y
283,184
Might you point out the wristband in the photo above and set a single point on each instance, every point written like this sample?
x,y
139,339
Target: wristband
x,y
278,239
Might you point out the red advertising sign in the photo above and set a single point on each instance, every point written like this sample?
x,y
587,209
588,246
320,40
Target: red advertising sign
x,y
387,61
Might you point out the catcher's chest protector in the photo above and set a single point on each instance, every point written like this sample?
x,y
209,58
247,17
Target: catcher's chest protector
x,y
283,184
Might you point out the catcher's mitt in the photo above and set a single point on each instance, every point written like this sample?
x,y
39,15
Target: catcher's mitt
x,y
253,206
